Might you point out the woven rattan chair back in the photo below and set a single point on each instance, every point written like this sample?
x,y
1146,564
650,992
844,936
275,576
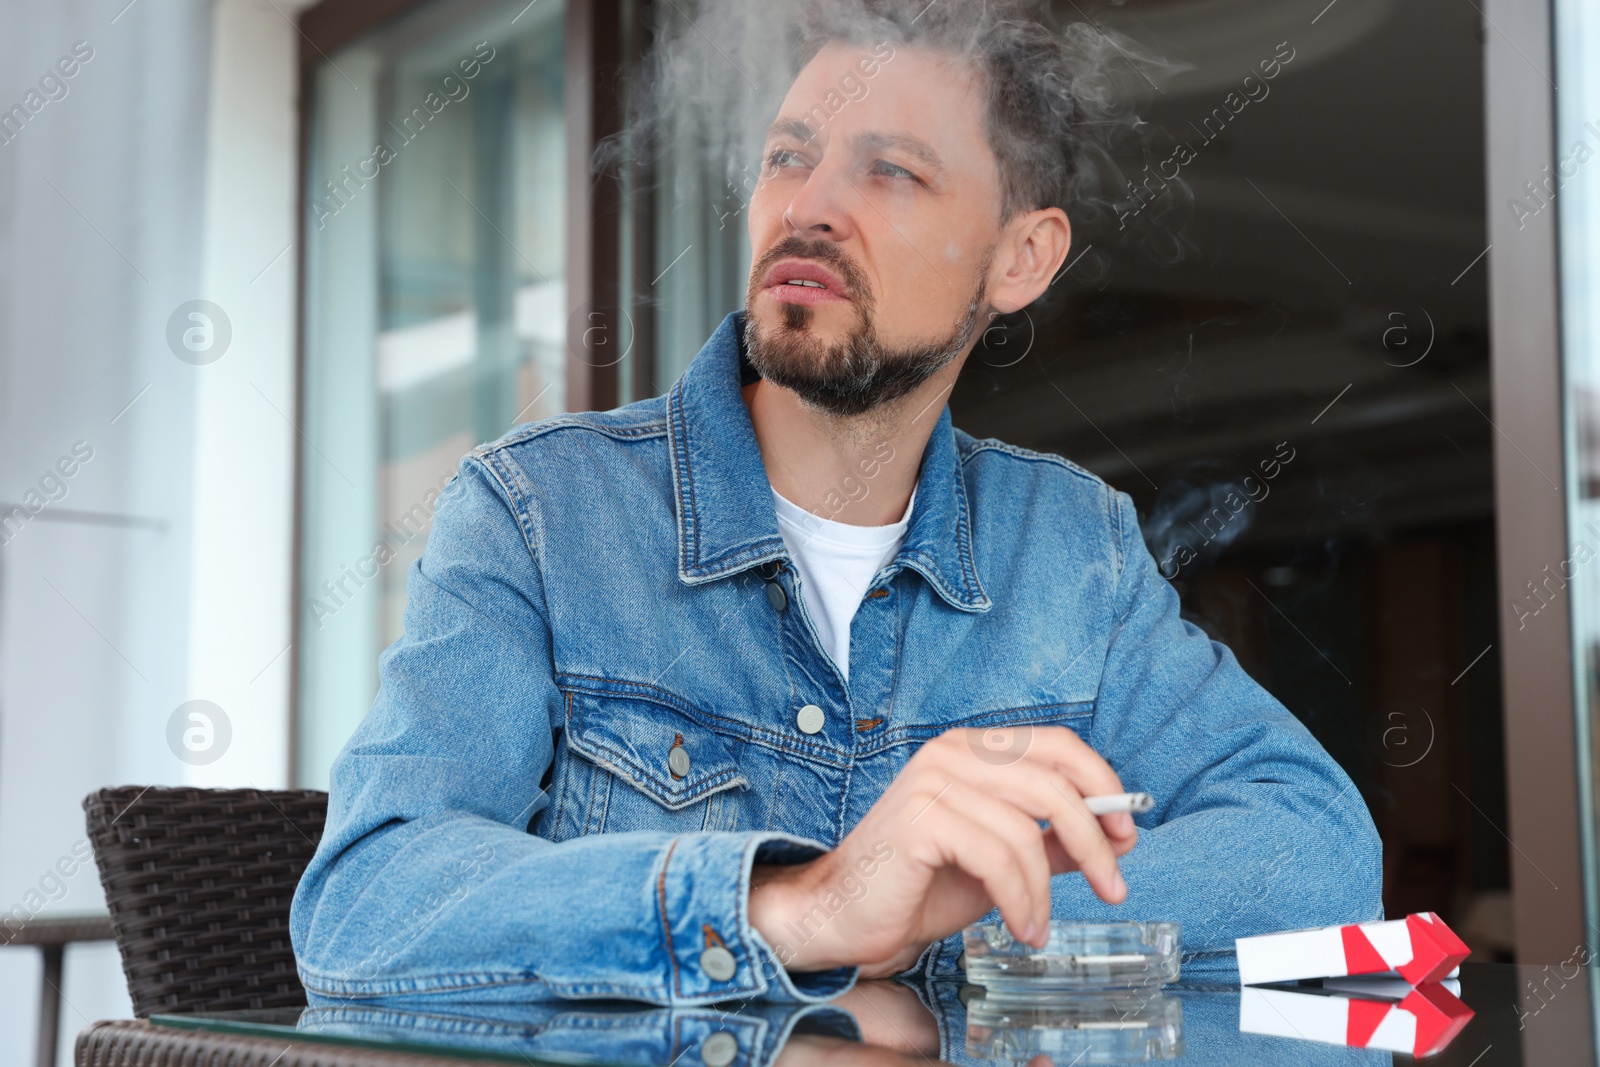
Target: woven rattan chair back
x,y
198,883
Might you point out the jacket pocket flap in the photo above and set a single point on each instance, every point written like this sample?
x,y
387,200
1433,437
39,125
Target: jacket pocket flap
x,y
634,738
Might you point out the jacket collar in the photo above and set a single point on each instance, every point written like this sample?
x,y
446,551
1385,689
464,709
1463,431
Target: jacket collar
x,y
726,520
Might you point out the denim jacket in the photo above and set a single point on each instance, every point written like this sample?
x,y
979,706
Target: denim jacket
x,y
592,727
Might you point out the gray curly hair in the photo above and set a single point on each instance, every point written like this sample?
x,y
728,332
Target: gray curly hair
x,y
1040,87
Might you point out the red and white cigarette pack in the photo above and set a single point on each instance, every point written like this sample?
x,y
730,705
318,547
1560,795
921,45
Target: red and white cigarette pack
x,y
1421,1024
1419,948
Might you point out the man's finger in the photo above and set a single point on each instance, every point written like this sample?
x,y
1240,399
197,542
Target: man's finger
x,y
1042,791
1120,831
1080,834
992,862
991,754
1060,862
1021,832
1064,749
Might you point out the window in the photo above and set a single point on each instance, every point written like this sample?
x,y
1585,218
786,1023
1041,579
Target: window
x,y
434,310
1578,215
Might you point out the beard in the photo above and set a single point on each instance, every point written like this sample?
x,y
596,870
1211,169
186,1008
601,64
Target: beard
x,y
858,373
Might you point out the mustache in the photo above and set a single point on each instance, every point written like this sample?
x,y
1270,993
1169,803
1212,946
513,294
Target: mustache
x,y
825,252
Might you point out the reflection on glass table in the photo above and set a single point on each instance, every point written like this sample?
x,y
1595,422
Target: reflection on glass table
x,y
1121,1028
1518,1015
1369,1013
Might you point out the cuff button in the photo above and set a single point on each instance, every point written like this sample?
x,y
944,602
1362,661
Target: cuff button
x,y
719,1049
717,963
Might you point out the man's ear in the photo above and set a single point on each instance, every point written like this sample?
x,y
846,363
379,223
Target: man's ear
x,y
1032,248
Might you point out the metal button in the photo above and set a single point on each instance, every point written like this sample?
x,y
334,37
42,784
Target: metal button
x,y
810,719
717,962
776,596
719,1049
678,761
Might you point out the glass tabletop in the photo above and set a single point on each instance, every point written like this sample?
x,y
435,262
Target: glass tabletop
x,y
1492,1015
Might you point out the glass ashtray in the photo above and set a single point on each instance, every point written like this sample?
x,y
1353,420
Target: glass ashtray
x,y
1123,1027
1078,957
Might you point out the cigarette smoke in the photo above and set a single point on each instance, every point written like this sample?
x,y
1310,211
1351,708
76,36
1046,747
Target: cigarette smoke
x,y
1063,104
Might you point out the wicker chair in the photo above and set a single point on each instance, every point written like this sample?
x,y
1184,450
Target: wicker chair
x,y
198,883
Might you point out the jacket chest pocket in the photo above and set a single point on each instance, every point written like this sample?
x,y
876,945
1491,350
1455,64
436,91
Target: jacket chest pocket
x,y
626,763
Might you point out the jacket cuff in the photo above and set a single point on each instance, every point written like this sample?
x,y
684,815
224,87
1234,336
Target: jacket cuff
x,y
703,897
941,959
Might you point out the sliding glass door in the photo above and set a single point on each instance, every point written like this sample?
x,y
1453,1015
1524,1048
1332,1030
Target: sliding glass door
x,y
434,310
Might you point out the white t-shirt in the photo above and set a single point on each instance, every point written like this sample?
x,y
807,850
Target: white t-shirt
x,y
836,562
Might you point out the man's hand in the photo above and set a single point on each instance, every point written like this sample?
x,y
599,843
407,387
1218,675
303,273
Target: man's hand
x,y
956,833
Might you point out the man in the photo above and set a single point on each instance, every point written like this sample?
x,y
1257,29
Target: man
x,y
779,681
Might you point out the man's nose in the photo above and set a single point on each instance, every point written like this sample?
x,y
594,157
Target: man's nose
x,y
821,206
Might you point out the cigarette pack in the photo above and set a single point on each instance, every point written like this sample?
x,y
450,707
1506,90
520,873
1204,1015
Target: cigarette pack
x,y
1419,948
1422,1024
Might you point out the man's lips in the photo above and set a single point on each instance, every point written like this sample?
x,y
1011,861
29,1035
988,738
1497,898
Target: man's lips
x,y
798,281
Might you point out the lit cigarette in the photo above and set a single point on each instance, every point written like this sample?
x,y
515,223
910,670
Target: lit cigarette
x,y
1115,802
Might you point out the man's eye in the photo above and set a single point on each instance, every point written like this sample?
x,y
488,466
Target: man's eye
x,y
782,157
890,170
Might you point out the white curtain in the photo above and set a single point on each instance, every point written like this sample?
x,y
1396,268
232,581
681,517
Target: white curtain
x,y
102,190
